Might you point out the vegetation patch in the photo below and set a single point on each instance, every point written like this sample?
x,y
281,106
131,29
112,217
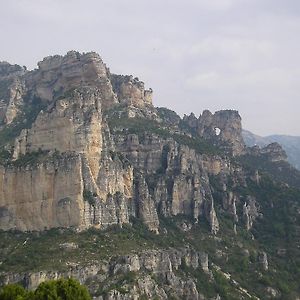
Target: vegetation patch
x,y
141,126
4,88
67,289
279,171
89,197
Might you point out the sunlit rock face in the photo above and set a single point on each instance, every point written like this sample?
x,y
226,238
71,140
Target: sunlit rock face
x,y
82,171
58,74
42,197
131,91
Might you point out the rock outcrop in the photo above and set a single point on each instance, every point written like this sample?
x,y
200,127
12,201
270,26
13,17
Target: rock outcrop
x,y
145,269
263,260
223,128
250,212
57,75
12,91
131,91
83,149
42,197
274,152
113,174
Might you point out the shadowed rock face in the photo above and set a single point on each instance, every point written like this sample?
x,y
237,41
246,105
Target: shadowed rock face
x,y
274,152
12,89
7,70
290,144
87,173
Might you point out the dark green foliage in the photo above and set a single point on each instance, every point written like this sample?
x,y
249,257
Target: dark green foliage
x,y
164,158
127,279
224,288
89,197
198,144
143,297
12,292
279,171
137,126
278,228
5,156
4,85
168,116
43,252
30,158
62,289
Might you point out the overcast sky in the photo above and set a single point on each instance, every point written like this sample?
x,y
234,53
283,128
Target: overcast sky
x,y
195,54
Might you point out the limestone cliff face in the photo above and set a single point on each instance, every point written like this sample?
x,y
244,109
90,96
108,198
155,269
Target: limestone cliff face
x,y
43,196
59,74
131,91
222,127
73,124
52,194
93,174
12,91
176,176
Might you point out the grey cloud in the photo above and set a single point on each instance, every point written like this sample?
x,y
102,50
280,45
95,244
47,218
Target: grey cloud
x,y
195,54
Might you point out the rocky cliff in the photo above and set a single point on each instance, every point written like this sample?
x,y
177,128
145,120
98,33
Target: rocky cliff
x,y
222,127
290,144
113,174
83,149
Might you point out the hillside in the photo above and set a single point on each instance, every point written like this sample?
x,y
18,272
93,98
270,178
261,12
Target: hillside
x,y
134,201
290,144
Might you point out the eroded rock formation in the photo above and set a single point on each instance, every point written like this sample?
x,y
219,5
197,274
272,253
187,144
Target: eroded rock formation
x,y
89,172
221,127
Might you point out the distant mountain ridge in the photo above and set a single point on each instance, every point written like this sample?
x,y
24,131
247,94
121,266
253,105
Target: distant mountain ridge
x,y
291,144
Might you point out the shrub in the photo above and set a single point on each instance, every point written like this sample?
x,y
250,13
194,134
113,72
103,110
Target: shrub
x,y
62,289
65,289
89,197
12,292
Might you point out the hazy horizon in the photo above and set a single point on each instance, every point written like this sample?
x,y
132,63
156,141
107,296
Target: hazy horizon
x,y
195,55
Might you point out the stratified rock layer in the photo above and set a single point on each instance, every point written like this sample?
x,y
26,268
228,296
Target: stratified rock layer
x,y
92,174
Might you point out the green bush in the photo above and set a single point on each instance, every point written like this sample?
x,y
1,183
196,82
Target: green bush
x,y
12,292
89,197
30,158
62,289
